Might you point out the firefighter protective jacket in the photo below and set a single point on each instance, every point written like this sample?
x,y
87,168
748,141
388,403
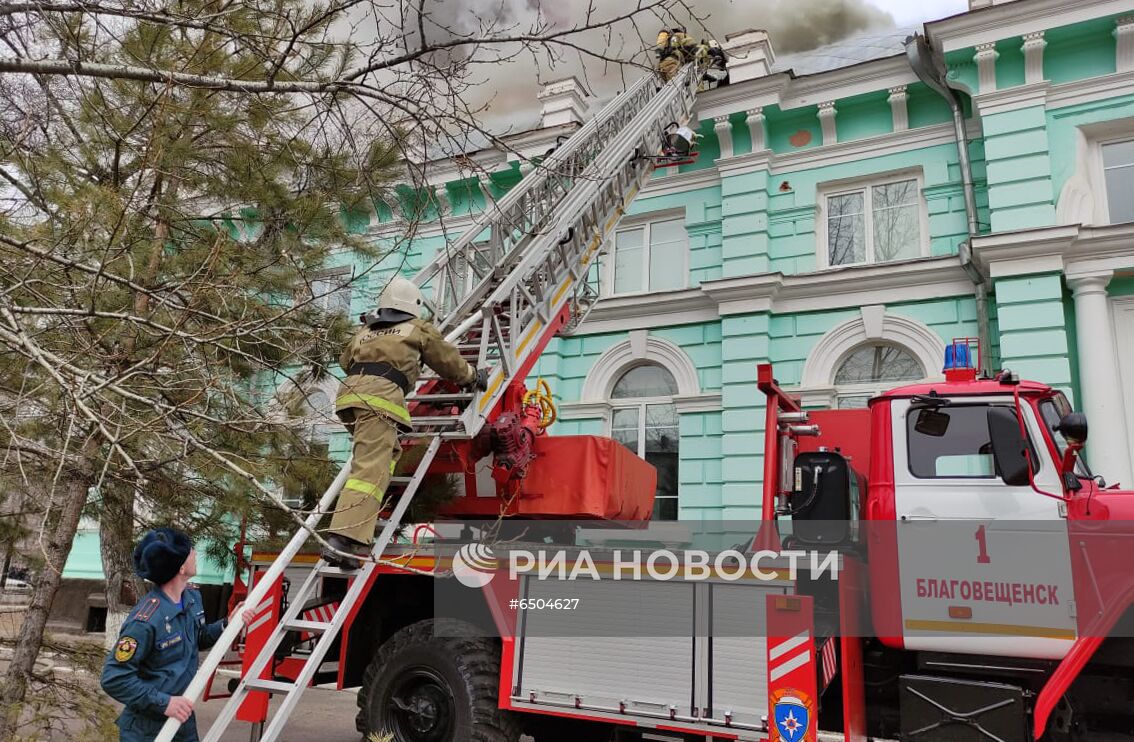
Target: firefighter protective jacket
x,y
404,345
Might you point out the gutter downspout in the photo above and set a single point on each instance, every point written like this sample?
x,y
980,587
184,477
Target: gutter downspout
x,y
929,66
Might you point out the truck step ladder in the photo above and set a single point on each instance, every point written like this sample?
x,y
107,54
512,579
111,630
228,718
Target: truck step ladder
x,y
505,301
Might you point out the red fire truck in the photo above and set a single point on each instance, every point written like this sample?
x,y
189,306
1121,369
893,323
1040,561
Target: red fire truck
x,y
1004,625
974,586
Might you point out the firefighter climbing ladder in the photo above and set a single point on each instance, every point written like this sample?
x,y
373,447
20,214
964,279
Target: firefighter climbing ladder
x,y
504,301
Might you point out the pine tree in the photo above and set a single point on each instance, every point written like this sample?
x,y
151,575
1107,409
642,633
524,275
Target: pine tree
x,y
174,174
155,273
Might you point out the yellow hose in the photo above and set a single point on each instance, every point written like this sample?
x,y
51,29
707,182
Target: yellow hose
x,y
541,396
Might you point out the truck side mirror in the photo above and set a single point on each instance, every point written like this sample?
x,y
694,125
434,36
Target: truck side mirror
x,y
1008,446
1073,427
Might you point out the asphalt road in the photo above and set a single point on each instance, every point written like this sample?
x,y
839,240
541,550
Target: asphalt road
x,y
322,716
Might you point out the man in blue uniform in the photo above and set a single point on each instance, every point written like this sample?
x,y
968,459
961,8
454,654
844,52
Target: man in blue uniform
x,y
155,656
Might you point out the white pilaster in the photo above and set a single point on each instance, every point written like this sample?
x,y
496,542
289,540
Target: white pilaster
x,y
827,114
899,109
723,128
755,118
1124,40
1107,449
441,198
985,58
1033,47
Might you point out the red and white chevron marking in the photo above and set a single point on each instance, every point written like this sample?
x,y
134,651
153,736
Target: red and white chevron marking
x,y
790,654
263,612
829,661
321,613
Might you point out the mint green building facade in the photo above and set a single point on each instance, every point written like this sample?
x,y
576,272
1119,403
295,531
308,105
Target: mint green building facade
x,y
820,230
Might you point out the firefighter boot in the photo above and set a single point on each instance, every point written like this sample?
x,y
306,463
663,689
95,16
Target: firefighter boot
x,y
340,543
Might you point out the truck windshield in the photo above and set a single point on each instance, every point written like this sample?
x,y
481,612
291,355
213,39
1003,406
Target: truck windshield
x,y
1052,411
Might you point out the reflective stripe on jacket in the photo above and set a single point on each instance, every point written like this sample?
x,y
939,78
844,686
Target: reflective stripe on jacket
x,y
405,346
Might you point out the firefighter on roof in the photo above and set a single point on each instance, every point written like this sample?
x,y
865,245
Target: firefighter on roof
x,y
382,362
155,656
671,52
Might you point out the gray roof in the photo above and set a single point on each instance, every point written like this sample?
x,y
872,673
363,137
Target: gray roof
x,y
856,49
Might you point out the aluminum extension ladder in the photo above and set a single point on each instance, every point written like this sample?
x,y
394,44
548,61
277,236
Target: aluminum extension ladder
x,y
533,279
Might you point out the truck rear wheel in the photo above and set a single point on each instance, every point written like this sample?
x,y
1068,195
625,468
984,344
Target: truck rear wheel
x,y
435,681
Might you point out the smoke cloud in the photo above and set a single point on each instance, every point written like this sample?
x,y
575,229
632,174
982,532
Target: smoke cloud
x,y
509,90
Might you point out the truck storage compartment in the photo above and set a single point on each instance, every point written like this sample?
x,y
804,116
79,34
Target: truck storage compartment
x,y
573,476
687,650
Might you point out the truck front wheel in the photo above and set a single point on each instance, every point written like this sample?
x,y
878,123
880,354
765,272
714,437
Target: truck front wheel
x,y
435,681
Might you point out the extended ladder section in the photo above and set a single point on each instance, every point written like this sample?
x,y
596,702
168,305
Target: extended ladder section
x,y
506,298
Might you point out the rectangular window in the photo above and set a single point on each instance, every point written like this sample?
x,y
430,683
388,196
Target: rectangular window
x,y
331,292
651,257
949,442
1118,171
952,442
875,223
650,431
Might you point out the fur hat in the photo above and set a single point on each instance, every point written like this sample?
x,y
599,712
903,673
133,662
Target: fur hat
x,y
160,553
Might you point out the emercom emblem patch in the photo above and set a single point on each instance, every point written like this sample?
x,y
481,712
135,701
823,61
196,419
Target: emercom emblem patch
x,y
125,648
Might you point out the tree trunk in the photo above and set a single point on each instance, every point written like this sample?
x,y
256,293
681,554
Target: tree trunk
x,y
7,565
116,542
67,503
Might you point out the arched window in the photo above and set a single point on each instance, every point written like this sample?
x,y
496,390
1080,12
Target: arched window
x,y
871,369
644,419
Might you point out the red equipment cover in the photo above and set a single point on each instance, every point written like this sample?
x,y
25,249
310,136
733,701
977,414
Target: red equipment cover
x,y
847,430
587,476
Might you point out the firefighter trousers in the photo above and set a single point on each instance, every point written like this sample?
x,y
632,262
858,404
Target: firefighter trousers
x,y
375,454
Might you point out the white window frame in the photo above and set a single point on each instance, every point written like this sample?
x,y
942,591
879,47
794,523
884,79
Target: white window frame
x,y
645,222
640,404
872,389
1098,172
322,301
865,185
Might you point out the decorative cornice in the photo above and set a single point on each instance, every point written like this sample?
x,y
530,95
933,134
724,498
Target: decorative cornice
x,y
1091,90
1073,250
847,82
1017,19
761,91
840,287
666,186
758,160
704,402
583,410
860,149
643,311
1011,99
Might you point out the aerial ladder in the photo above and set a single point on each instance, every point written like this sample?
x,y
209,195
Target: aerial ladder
x,y
500,302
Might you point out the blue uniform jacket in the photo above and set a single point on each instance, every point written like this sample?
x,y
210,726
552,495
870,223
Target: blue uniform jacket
x,y
155,656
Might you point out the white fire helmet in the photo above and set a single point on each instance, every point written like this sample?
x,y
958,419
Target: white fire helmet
x,y
401,294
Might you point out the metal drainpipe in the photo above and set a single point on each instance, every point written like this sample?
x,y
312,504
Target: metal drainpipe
x,y
928,65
